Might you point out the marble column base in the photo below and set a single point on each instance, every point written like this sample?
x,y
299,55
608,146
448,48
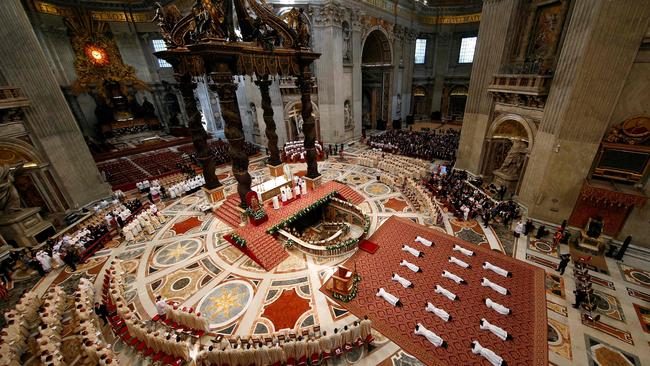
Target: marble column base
x,y
26,227
312,183
214,195
276,170
507,181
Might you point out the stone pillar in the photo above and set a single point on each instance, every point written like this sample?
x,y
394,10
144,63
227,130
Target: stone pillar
x,y
407,79
327,23
199,137
357,94
224,85
497,19
586,86
51,123
443,45
264,82
305,84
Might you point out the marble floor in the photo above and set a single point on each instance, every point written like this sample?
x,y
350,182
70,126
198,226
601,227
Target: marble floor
x,y
188,261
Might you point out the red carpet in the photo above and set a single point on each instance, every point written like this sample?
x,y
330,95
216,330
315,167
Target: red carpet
x,y
285,311
262,247
368,246
527,299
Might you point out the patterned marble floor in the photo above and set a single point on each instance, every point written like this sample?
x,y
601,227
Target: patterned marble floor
x,y
188,261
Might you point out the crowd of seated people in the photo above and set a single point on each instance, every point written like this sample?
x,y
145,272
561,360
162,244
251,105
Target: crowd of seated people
x,y
219,150
426,145
467,202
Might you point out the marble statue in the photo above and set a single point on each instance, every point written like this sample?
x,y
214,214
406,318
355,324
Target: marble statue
x,y
9,197
348,121
514,160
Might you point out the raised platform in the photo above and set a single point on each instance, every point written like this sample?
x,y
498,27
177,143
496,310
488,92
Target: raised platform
x,y
527,298
263,248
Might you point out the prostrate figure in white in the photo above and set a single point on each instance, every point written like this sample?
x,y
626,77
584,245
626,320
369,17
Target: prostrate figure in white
x,y
439,312
424,241
403,281
497,331
497,307
446,293
467,252
487,283
489,355
430,336
413,251
409,265
453,277
498,270
392,299
458,262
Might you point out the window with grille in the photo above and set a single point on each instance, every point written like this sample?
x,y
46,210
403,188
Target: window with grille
x,y
467,46
420,50
159,45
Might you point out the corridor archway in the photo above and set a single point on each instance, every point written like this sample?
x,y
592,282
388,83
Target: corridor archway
x,y
376,66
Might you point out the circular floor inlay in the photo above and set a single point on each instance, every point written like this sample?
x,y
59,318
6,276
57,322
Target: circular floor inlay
x,y
553,334
180,284
176,252
640,276
542,246
601,302
226,302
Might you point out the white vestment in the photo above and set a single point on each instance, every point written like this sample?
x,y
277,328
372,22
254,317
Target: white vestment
x,y
495,269
409,265
429,335
448,294
499,332
424,241
453,277
413,251
487,283
497,307
467,252
392,299
489,355
458,262
403,281
439,312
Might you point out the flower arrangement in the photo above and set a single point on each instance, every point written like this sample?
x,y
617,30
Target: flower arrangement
x,y
239,240
353,293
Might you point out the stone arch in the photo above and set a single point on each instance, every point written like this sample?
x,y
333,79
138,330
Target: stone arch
x,y
13,151
512,126
293,108
379,39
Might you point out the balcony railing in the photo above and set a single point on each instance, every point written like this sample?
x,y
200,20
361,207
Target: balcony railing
x,y
529,84
12,97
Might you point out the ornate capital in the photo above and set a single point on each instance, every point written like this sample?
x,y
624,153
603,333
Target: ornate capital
x,y
330,14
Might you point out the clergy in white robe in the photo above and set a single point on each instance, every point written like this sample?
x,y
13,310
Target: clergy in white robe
x,y
497,331
498,270
453,277
467,252
458,262
446,293
438,312
390,298
413,251
497,307
432,337
409,265
500,289
487,353
402,281
424,241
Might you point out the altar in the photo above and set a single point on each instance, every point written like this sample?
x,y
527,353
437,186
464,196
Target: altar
x,y
272,187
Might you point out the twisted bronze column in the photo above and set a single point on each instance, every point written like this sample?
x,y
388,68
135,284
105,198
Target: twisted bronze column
x,y
199,137
225,87
263,82
305,84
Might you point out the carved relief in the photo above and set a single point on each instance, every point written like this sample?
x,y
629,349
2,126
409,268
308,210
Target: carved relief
x,y
348,120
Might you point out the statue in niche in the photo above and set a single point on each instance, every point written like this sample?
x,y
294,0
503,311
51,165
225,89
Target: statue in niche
x,y
398,108
9,197
347,54
348,121
514,160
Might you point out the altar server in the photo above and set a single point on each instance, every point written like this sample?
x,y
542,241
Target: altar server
x,y
446,293
487,283
489,355
497,307
432,337
458,262
438,312
467,252
366,329
453,277
413,251
496,269
403,281
392,299
424,241
411,266
497,331
325,344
